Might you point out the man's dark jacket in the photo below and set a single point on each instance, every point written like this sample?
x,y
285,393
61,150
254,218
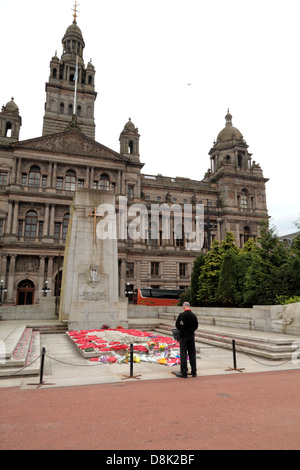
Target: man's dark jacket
x,y
186,323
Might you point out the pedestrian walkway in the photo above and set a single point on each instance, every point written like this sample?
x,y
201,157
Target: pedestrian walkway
x,y
64,366
83,405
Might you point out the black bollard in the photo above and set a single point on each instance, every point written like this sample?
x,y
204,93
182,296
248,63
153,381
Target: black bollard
x,y
131,376
42,365
43,354
234,359
234,354
131,360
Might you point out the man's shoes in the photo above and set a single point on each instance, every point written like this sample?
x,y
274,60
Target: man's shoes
x,y
180,375
194,375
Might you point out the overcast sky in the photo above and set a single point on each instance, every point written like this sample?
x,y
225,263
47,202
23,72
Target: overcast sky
x,y
236,54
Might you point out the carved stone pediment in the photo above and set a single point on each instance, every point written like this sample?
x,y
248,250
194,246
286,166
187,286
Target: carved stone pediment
x,y
70,142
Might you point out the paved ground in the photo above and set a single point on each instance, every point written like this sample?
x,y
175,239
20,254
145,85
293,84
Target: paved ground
x,y
85,405
236,411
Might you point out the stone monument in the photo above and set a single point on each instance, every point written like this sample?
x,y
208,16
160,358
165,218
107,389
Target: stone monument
x,y
89,292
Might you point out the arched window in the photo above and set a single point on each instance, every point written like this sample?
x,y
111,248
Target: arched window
x,y
70,109
130,147
30,225
54,74
34,176
104,182
8,129
70,183
240,160
244,199
90,80
61,108
79,111
65,226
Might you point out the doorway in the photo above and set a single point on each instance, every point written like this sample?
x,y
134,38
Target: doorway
x,y
25,294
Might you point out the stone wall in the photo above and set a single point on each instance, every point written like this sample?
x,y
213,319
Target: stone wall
x,y
270,318
45,310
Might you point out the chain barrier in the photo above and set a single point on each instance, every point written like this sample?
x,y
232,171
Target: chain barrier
x,y
43,355
261,363
20,370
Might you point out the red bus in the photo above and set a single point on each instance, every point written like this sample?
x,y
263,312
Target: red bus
x,y
149,296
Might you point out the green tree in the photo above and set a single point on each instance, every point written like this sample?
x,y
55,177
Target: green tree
x,y
259,287
209,276
197,266
227,283
208,292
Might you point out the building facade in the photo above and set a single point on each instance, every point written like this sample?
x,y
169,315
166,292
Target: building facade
x,y
38,178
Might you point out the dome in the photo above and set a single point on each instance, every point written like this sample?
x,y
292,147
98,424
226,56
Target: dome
x,y
11,106
73,29
72,41
129,126
229,132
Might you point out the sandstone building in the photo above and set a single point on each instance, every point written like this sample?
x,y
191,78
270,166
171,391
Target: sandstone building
x,y
38,178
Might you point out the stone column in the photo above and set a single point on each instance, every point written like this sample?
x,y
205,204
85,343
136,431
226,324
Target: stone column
x,y
11,278
49,177
92,172
52,214
15,218
3,268
18,171
54,175
87,178
8,219
50,274
46,221
41,277
123,277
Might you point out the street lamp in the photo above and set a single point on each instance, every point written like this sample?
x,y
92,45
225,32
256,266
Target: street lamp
x,y
219,220
2,290
46,289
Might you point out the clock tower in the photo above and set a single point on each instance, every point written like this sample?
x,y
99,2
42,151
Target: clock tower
x,y
70,90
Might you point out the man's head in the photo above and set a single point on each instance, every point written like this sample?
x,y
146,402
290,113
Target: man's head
x,y
186,306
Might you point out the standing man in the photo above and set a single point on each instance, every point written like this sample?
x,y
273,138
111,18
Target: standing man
x,y
187,323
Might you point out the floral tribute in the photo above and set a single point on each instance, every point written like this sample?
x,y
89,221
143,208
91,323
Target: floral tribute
x,y
147,347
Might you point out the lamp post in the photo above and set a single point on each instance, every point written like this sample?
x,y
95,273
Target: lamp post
x,y
2,290
46,289
219,220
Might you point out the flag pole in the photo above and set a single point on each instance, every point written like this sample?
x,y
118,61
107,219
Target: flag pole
x,y
76,80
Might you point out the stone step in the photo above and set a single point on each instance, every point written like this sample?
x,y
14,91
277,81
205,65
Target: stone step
x,y
9,340
143,325
51,329
23,360
232,322
258,344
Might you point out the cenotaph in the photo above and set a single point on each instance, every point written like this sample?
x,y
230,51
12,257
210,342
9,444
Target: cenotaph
x,y
89,292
